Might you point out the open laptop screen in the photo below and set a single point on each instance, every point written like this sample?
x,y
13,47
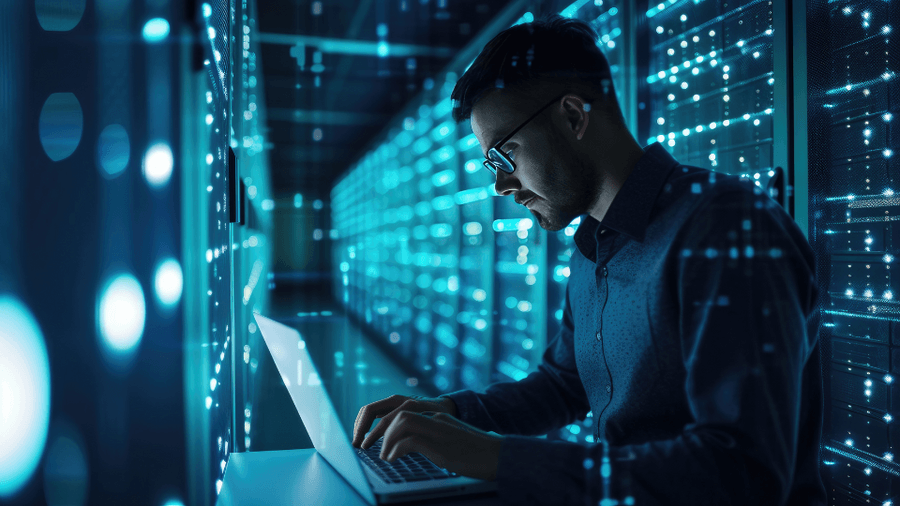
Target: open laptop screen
x,y
302,380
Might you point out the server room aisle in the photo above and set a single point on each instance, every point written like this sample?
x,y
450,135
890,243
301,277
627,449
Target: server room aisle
x,y
353,368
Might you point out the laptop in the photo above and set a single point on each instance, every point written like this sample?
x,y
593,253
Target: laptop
x,y
409,478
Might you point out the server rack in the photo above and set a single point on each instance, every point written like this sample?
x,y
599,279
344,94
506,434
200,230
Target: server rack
x,y
851,106
414,248
226,248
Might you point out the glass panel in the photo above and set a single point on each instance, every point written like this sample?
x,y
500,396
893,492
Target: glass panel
x,y
852,166
710,85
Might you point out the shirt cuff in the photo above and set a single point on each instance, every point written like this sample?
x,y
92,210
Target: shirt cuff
x,y
468,406
539,471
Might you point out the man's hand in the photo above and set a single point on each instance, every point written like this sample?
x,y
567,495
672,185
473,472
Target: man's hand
x,y
446,441
387,409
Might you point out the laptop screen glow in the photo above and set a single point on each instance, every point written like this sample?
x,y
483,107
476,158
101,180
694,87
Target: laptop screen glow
x,y
302,380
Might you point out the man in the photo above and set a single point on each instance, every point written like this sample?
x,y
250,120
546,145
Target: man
x,y
690,324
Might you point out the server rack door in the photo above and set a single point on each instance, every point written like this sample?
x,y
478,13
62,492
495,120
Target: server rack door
x,y
852,86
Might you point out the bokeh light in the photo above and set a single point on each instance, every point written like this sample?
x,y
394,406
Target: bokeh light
x,y
24,395
168,282
65,467
56,16
60,125
121,313
158,164
113,150
156,30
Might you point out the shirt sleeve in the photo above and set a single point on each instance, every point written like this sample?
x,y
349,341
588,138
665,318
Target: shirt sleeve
x,y
747,294
549,398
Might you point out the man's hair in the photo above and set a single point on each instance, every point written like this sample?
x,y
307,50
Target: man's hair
x,y
534,60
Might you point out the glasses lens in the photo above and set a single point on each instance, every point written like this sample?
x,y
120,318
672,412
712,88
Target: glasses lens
x,y
500,161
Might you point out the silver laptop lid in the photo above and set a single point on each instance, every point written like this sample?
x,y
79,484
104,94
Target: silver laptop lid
x,y
312,402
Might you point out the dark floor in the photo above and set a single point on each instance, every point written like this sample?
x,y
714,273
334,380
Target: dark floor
x,y
354,369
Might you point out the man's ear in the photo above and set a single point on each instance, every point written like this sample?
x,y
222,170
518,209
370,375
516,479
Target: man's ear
x,y
577,114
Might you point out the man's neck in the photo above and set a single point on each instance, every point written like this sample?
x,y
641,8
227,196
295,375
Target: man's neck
x,y
619,165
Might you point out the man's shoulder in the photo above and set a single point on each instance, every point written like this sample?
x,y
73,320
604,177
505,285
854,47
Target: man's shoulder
x,y
695,189
701,184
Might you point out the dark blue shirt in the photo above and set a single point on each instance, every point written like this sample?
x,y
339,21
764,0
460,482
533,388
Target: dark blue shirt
x,y
689,339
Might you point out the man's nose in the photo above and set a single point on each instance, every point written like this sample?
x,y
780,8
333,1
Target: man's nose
x,y
506,183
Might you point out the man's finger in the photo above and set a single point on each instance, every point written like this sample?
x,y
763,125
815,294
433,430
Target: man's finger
x,y
368,413
386,422
404,425
407,423
409,444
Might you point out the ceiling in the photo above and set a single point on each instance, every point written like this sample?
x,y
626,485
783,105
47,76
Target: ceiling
x,y
316,130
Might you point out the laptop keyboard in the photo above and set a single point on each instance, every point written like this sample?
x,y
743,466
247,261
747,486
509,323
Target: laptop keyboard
x,y
410,467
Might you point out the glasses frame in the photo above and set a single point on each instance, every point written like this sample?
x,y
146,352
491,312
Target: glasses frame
x,y
493,165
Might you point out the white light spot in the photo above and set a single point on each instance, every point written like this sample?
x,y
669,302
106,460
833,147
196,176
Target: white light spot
x,y
24,395
158,164
121,313
168,282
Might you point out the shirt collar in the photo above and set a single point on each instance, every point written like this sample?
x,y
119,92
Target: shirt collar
x,y
629,212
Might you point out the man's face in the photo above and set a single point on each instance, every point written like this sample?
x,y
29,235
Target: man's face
x,y
551,174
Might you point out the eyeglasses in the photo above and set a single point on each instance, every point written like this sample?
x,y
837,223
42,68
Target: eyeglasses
x,y
498,160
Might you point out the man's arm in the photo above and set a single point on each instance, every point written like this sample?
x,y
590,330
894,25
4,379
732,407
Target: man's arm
x,y
745,292
547,399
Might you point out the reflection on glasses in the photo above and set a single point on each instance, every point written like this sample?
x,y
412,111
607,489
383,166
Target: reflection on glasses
x,y
497,159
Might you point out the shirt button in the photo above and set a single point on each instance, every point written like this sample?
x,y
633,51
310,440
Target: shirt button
x,y
603,231
599,335
608,388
